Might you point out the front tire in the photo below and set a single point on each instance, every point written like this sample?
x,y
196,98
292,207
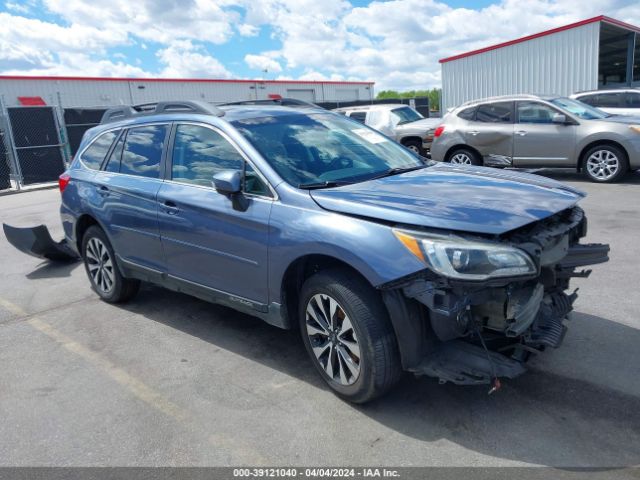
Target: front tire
x,y
464,156
102,270
415,146
348,335
605,164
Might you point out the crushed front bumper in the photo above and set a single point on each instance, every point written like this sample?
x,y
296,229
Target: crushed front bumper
x,y
471,333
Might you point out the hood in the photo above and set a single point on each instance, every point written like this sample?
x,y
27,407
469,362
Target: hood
x,y
423,124
464,198
626,119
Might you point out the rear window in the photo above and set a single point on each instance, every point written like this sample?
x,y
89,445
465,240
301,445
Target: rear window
x,y
143,151
93,156
499,112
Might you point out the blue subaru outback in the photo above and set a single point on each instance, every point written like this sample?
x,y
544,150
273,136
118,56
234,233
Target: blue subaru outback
x,y
306,219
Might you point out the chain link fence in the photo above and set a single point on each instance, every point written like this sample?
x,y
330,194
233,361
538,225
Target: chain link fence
x,y
79,120
5,169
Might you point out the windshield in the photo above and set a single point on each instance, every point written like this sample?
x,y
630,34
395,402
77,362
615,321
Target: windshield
x,y
310,149
579,109
406,115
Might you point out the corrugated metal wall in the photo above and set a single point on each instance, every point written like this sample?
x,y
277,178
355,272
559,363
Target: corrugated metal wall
x,y
561,63
91,93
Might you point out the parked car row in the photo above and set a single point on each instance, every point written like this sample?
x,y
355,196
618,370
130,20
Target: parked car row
x,y
400,122
539,131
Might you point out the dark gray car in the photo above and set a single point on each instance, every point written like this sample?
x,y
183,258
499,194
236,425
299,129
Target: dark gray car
x,y
539,131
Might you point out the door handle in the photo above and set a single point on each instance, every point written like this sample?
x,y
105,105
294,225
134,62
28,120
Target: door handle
x,y
170,207
473,132
522,133
104,191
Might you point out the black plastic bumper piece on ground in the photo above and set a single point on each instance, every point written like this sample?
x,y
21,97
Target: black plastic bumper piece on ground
x,y
466,364
37,242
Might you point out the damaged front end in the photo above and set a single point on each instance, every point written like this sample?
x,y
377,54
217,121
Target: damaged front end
x,y
471,325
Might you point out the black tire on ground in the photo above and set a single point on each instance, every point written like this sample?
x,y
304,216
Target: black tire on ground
x,y
607,154
379,360
98,256
464,156
415,146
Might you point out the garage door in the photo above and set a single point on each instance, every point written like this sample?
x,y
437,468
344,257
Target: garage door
x,y
302,94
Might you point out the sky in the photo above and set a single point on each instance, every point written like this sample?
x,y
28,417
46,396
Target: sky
x,y
395,43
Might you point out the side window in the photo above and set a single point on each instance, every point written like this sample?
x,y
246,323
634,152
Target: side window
x,y
93,156
113,163
467,113
359,116
253,184
632,99
499,112
589,100
143,151
534,112
609,100
200,152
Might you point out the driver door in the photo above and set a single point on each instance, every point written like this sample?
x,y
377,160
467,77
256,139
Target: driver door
x,y
208,239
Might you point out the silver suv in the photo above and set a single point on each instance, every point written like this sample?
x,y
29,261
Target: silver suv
x,y
618,102
539,131
400,122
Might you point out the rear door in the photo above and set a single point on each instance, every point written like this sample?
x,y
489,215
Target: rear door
x,y
209,239
491,131
127,188
537,141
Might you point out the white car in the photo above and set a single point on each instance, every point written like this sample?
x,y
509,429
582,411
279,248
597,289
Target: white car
x,y
400,122
615,102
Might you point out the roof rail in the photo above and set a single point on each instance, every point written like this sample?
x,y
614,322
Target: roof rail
x,y
185,106
285,102
499,97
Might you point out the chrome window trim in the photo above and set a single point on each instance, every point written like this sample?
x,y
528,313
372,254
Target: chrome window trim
x,y
129,127
237,147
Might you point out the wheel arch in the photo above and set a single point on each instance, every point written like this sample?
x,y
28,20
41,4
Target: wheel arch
x,y
300,270
410,138
460,146
595,143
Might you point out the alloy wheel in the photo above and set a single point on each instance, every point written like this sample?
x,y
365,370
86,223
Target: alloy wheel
x,y
414,149
333,339
603,164
100,265
461,159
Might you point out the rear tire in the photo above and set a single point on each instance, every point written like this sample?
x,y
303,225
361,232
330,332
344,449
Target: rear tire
x,y
605,164
102,270
464,156
348,335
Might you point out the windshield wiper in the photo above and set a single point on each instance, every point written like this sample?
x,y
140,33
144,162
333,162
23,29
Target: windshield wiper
x,y
326,184
396,171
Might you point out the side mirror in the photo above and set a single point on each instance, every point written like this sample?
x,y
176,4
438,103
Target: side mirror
x,y
559,118
227,182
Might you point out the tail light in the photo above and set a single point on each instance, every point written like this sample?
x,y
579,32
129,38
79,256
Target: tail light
x,y
439,131
63,181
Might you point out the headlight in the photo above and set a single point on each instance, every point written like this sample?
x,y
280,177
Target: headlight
x,y
635,128
467,260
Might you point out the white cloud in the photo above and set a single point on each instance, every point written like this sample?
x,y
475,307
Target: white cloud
x,y
183,59
262,62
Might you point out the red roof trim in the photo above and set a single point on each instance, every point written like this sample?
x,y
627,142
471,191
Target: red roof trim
x,y
182,80
600,18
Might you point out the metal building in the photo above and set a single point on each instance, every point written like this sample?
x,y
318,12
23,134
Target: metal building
x,y
595,53
100,92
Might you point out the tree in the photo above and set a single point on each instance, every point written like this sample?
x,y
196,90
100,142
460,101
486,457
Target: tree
x,y
433,94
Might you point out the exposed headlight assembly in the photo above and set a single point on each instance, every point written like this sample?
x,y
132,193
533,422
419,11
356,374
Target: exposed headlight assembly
x,y
462,259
